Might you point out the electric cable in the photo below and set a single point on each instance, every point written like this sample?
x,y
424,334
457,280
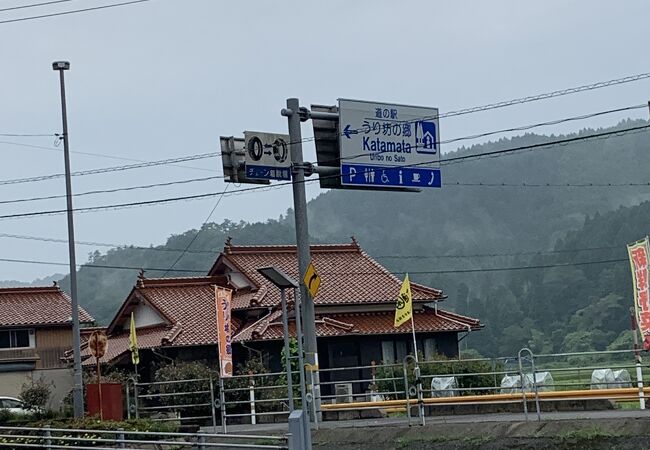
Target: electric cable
x,y
508,130
107,191
516,101
367,273
217,250
453,160
35,5
198,232
74,11
161,162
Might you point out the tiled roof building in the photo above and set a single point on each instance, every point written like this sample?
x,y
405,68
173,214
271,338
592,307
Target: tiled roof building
x,y
35,334
37,306
354,309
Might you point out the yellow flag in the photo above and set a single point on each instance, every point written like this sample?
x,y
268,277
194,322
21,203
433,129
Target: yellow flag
x,y
404,304
133,343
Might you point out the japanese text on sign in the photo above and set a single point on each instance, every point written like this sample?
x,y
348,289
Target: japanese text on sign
x,y
638,254
224,330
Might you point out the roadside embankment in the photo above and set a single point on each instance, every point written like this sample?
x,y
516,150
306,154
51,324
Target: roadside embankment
x,y
596,433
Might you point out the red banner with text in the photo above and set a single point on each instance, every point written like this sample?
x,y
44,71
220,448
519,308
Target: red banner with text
x,y
638,253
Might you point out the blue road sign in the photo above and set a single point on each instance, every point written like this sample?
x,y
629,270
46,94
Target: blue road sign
x,y
390,176
389,145
267,173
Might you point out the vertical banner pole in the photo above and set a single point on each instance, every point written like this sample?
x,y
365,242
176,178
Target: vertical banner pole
x,y
99,389
637,358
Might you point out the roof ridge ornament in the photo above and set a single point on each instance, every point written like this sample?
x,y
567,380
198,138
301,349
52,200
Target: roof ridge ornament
x,y
141,278
228,244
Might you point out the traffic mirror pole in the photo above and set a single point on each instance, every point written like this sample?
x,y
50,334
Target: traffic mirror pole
x,y
292,112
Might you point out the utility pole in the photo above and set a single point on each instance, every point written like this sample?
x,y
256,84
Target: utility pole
x,y
77,392
292,112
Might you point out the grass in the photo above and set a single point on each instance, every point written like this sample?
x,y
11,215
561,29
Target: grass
x,y
586,434
407,442
628,405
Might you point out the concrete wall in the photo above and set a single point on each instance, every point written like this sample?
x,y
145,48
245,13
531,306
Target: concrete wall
x,y
12,382
60,380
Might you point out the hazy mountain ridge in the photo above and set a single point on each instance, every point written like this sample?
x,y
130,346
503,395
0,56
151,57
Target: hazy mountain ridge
x,y
45,281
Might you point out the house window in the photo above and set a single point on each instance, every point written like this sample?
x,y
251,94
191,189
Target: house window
x,y
394,351
429,349
387,352
16,339
401,350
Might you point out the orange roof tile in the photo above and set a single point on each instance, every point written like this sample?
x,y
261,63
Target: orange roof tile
x,y
370,323
37,306
119,344
349,275
188,306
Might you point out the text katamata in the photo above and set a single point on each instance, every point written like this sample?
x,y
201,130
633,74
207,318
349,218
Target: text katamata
x,y
375,130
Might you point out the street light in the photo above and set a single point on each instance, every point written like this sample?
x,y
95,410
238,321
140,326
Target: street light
x,y
77,391
283,281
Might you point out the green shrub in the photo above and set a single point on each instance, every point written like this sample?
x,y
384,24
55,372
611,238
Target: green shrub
x,y
242,394
442,366
198,392
90,424
35,395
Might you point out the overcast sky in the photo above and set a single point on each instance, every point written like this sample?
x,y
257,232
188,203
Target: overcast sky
x,y
166,78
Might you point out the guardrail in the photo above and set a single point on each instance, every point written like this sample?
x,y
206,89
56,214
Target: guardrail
x,y
257,398
55,438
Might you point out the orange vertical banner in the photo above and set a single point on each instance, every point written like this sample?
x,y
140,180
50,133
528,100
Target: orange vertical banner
x,y
223,301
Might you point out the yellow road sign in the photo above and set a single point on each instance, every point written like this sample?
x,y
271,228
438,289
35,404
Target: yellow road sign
x,y
312,280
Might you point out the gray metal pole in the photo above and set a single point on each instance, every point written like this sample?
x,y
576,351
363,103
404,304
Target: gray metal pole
x,y
287,349
77,392
299,337
301,363
302,239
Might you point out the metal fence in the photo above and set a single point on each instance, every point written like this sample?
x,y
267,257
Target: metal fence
x,y
395,388
192,401
55,438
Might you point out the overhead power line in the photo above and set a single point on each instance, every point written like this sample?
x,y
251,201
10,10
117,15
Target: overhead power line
x,y
519,101
73,11
198,232
514,129
26,135
343,273
492,255
100,155
105,244
217,250
492,154
35,5
108,191
191,157
161,162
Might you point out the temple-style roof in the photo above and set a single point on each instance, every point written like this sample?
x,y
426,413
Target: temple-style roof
x,y
427,320
349,275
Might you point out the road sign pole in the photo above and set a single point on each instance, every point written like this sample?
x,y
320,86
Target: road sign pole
x,y
292,112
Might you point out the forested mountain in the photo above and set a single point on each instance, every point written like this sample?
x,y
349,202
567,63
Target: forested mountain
x,y
469,225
